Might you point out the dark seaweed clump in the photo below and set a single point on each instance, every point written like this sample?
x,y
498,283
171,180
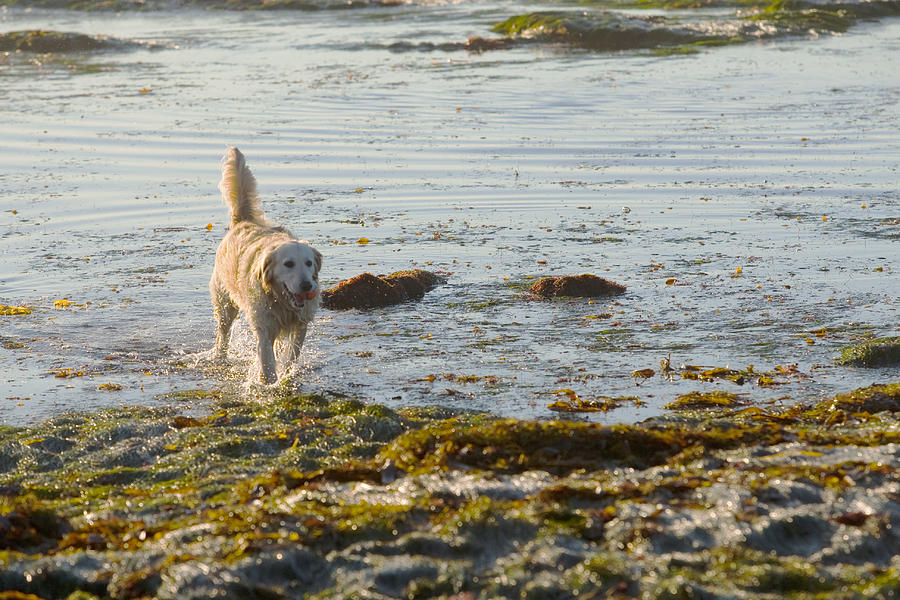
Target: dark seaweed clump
x,y
367,291
36,40
583,286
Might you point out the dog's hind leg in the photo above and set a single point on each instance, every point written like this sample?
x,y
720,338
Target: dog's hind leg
x,y
225,312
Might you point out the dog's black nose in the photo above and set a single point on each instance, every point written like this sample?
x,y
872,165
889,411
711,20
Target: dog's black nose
x,y
306,286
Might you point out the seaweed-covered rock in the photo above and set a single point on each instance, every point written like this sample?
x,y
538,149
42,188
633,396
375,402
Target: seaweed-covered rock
x,y
368,291
880,352
585,286
38,40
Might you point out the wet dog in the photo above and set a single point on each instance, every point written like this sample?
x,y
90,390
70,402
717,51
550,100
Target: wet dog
x,y
262,271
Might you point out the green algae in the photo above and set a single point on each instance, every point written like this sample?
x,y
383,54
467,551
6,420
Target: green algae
x,y
878,352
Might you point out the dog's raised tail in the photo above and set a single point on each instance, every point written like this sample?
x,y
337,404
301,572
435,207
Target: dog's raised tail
x,y
238,187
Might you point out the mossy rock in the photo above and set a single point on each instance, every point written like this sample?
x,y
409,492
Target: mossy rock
x,y
879,352
705,401
582,286
366,291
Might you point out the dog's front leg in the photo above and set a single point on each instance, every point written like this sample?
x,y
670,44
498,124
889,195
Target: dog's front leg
x,y
265,350
296,343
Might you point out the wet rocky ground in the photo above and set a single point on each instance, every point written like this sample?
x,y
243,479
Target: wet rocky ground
x,y
275,495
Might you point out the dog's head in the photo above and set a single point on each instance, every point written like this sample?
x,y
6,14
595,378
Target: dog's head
x,y
291,271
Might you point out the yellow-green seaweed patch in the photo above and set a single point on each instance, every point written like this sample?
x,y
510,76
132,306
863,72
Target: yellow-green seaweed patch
x,y
706,400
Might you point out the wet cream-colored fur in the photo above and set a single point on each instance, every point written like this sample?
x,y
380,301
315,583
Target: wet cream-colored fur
x,y
262,271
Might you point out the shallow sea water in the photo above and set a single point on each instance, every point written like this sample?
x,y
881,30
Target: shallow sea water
x,y
761,178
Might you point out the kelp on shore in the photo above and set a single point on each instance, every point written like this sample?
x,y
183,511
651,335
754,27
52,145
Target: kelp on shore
x,y
286,495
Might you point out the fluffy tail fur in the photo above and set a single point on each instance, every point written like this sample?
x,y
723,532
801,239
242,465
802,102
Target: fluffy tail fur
x,y
238,187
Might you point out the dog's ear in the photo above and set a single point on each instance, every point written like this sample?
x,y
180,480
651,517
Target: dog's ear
x,y
318,257
262,270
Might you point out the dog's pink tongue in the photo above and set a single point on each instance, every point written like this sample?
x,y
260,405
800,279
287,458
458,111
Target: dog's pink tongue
x,y
309,295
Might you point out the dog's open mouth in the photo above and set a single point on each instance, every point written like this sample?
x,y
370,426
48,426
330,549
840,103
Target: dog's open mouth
x,y
298,300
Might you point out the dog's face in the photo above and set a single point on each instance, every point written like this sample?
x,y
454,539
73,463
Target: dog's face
x,y
291,271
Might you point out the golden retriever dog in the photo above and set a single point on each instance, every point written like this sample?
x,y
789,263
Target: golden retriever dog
x,y
262,271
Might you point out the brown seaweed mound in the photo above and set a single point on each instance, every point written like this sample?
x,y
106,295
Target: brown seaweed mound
x,y
585,286
368,291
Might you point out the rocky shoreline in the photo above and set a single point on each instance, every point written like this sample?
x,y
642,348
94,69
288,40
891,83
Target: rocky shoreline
x,y
288,496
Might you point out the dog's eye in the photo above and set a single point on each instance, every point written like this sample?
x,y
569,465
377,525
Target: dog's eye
x,y
309,263
289,264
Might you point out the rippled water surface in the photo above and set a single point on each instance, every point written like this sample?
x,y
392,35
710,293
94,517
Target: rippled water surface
x,y
745,194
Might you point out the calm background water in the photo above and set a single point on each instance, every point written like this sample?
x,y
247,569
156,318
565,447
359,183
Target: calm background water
x,y
761,177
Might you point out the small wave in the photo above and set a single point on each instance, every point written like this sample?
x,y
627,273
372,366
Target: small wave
x,y
472,44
